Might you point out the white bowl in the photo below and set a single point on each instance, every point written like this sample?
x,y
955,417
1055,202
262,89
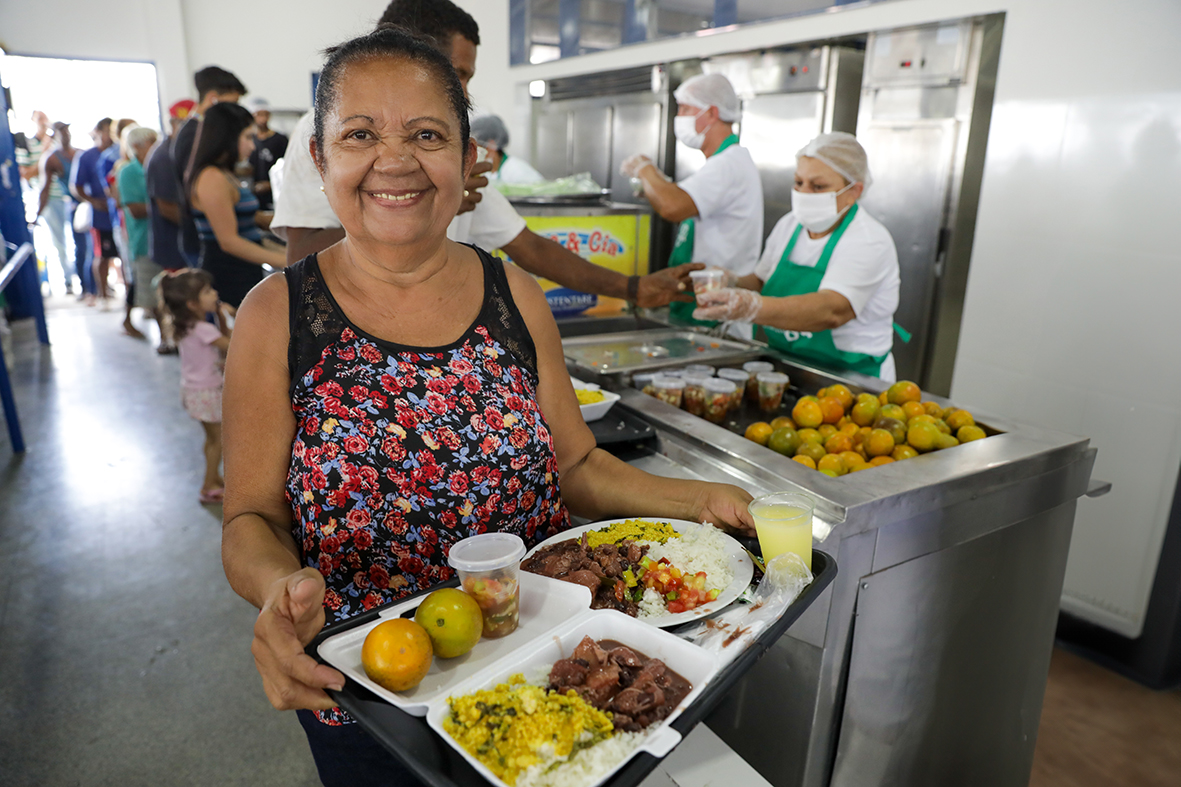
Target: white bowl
x,y
596,410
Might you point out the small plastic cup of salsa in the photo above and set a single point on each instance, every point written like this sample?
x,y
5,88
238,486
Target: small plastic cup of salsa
x,y
669,389
771,387
708,280
489,568
718,395
694,393
740,379
754,368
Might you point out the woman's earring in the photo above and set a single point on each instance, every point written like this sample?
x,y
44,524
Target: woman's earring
x,y
321,188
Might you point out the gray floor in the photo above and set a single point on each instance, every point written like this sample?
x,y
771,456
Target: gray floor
x,y
124,654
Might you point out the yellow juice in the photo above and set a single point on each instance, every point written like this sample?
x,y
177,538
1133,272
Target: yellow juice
x,y
783,527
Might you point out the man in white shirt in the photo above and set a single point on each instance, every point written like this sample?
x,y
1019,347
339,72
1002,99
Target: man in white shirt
x,y
304,218
720,207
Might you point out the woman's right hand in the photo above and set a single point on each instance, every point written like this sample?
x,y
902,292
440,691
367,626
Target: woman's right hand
x,y
292,614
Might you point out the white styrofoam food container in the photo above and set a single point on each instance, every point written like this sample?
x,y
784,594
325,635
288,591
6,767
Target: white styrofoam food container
x,y
693,663
595,411
555,616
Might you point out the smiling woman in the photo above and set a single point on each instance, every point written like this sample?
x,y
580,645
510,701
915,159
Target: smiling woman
x,y
398,391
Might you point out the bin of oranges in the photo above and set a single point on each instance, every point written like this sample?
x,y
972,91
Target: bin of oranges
x,y
837,432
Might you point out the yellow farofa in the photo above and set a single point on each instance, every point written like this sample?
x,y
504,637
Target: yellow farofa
x,y
587,396
632,530
515,726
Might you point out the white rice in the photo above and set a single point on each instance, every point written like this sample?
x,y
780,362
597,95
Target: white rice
x,y
584,767
700,549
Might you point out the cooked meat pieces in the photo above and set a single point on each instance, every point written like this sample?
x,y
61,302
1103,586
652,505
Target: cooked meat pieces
x,y
637,690
599,570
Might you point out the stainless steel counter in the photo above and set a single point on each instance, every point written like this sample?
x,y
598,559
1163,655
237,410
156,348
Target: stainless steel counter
x,y
926,661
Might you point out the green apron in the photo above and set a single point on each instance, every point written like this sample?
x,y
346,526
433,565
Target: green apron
x,y
683,252
791,279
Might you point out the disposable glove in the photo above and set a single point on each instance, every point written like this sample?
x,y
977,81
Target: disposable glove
x,y
728,304
633,164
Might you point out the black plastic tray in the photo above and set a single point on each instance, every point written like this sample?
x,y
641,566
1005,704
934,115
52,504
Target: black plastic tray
x,y
436,763
620,425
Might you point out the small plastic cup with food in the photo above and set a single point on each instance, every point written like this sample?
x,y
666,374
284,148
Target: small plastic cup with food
x,y
718,395
754,368
669,389
771,388
694,395
700,368
707,280
489,568
643,381
740,379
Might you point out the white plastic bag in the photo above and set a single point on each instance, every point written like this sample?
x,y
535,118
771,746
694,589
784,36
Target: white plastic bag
x,y
83,217
731,632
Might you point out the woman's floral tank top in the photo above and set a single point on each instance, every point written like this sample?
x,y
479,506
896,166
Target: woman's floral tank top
x,y
400,451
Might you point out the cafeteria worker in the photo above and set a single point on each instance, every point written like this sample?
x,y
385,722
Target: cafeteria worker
x,y
720,207
826,288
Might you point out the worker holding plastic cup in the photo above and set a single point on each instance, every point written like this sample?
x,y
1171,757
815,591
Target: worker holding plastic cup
x,y
720,207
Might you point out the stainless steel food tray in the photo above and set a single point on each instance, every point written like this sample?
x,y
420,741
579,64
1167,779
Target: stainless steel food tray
x,y
637,351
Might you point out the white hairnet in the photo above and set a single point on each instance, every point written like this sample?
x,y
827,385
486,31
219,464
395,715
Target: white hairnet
x,y
710,90
841,151
490,128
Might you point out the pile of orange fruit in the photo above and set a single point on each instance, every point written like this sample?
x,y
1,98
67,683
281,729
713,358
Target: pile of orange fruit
x,y
836,432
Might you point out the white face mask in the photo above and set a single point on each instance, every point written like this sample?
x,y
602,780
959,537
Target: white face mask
x,y
817,211
685,130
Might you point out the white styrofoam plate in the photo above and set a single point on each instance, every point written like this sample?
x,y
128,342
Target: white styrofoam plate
x,y
595,410
545,603
691,662
740,567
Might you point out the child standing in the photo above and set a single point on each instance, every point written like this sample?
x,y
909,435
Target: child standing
x,y
189,296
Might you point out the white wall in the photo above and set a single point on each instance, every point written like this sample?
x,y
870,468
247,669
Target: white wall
x,y
1071,319
145,30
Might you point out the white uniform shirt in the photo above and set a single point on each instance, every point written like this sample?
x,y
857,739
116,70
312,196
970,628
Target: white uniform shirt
x,y
516,170
300,203
729,199
863,268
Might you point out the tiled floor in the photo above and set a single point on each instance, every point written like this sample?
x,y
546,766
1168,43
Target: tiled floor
x,y
124,655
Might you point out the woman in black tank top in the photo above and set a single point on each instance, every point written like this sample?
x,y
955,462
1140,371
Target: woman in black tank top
x,y
399,392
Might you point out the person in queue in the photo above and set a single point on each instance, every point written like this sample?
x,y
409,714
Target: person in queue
x,y
490,133
224,210
826,287
402,383
720,207
306,221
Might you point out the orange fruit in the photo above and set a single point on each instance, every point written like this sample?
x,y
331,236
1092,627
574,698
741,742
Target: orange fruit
x,y
893,411
878,461
942,426
914,409
813,451
922,436
850,458
857,468
903,452
845,421
807,413
758,432
880,443
894,426
452,620
923,419
396,654
945,441
959,419
810,436
783,422
827,430
806,461
948,411
831,462
838,443
883,398
849,429
967,434
842,393
903,391
828,471
933,408
832,408
784,441
865,412
822,392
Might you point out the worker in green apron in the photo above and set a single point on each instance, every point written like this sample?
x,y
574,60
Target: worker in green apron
x,y
826,288
720,207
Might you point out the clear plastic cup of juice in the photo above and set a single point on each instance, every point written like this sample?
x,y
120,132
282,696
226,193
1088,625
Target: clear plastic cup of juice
x,y
489,567
783,523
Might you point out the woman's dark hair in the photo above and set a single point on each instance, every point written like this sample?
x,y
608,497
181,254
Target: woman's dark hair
x,y
217,140
177,290
393,42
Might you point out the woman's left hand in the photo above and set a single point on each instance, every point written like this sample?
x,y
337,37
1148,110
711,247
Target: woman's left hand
x,y
725,504
728,304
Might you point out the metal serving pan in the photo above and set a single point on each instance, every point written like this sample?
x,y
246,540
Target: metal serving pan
x,y
636,351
